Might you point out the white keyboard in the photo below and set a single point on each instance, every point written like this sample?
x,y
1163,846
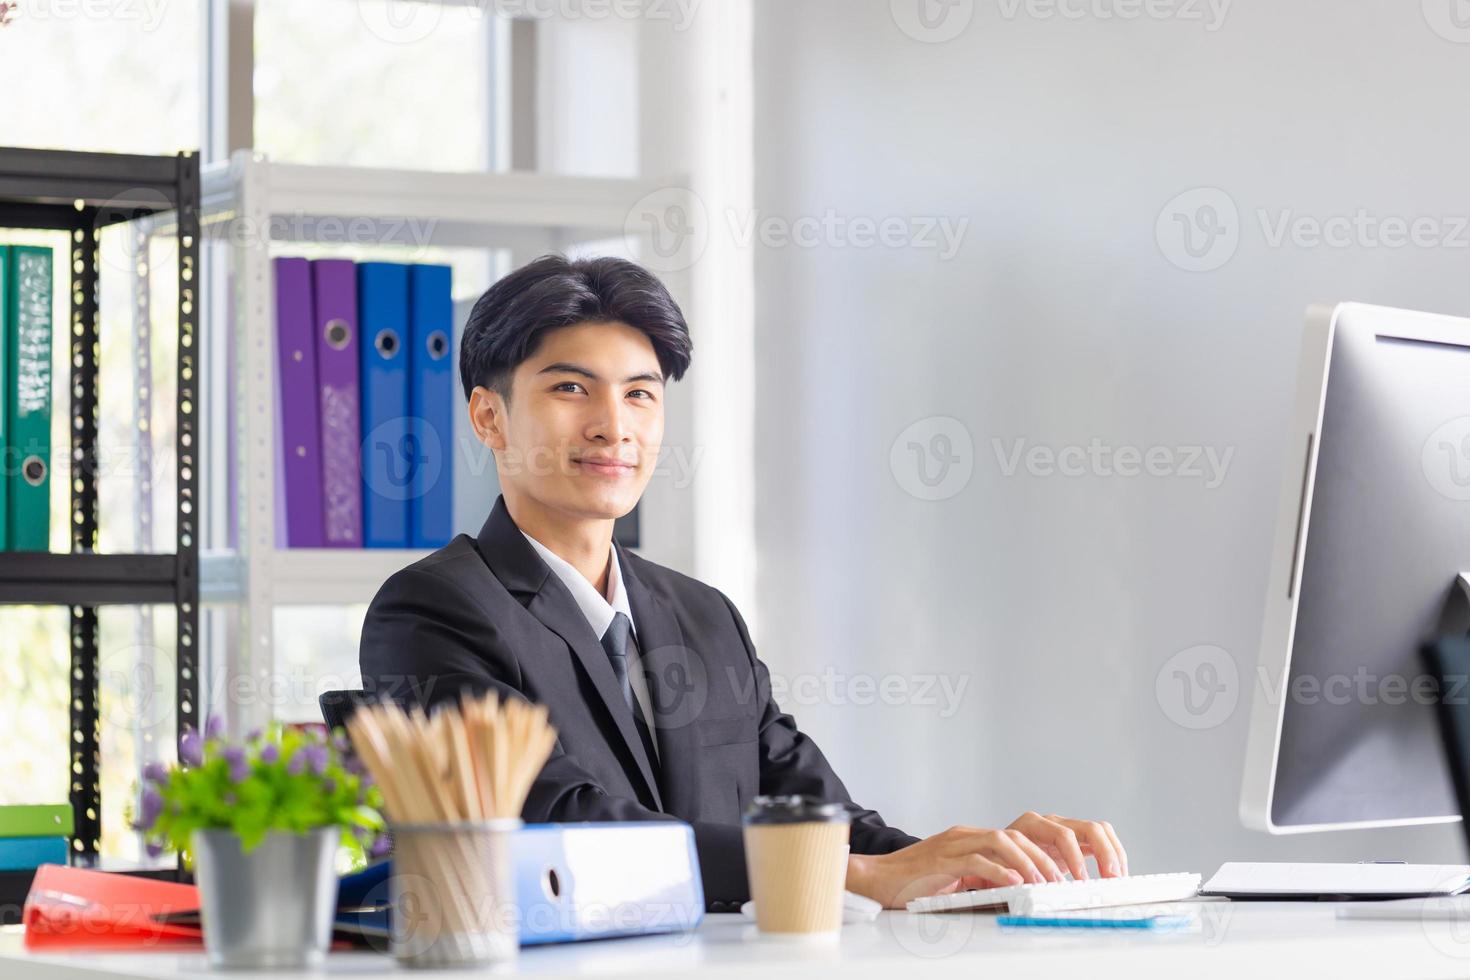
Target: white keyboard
x,y
1064,896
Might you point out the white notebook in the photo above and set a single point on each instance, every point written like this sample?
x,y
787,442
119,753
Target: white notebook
x,y
1248,879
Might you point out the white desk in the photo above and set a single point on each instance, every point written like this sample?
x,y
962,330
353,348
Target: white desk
x,y
1253,941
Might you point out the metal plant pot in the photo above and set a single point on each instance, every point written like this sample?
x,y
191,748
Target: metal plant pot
x,y
271,908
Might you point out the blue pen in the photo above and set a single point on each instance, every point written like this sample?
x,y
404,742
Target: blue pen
x,y
1154,922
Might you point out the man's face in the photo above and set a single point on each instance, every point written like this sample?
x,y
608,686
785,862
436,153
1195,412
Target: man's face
x,y
584,422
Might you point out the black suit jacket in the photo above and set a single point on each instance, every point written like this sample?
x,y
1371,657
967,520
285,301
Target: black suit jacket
x,y
487,613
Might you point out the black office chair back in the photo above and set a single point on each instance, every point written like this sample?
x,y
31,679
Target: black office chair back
x,y
338,706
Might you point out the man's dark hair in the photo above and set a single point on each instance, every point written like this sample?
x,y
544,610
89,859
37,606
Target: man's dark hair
x,y
507,323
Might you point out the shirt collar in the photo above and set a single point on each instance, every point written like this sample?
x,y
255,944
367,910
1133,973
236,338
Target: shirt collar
x,y
598,610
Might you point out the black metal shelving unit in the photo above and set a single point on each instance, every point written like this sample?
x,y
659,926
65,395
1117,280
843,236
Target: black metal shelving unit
x,y
82,193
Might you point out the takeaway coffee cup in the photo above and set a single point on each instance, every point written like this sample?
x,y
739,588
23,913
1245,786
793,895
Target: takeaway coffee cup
x,y
796,863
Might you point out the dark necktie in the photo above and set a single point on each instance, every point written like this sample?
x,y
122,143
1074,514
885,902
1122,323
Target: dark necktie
x,y
615,641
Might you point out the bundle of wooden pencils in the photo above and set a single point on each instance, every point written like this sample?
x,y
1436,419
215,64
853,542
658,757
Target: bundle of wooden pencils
x,y
474,761
463,765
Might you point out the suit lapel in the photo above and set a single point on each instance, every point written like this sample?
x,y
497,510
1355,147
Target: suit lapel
x,y
512,559
675,686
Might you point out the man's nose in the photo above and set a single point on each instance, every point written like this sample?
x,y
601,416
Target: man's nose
x,y
609,420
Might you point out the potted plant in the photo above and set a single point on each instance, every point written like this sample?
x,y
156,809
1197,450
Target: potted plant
x,y
261,821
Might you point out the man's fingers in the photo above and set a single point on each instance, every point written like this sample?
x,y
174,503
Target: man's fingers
x,y
973,865
1057,839
1095,840
1006,849
1034,849
1038,856
1117,845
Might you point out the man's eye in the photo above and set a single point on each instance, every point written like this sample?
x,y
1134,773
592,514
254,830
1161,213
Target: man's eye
x,y
569,386
641,393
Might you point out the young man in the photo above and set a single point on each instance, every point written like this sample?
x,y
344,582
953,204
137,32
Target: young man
x,y
662,708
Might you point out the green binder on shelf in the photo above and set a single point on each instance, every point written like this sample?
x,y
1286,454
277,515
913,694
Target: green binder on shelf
x,y
36,820
28,398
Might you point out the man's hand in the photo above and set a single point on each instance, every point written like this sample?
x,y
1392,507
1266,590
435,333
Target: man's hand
x,y
1034,848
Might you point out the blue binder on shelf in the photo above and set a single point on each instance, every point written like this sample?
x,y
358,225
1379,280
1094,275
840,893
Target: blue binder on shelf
x,y
389,456
431,405
573,881
26,853
5,370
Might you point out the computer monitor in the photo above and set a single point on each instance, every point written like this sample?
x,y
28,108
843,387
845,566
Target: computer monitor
x,y
1372,543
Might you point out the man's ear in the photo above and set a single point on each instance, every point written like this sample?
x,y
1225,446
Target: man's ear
x,y
487,417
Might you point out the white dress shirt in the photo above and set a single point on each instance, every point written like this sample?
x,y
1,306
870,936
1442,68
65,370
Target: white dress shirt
x,y
599,613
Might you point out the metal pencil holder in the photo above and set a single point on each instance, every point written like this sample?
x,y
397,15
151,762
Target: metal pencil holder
x,y
453,895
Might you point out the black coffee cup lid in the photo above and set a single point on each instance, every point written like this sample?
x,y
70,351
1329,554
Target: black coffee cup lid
x,y
794,809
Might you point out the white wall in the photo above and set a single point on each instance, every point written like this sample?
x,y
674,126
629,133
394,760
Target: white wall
x,y
1060,319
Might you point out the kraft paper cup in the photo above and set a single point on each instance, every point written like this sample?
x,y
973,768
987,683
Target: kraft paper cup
x,y
796,862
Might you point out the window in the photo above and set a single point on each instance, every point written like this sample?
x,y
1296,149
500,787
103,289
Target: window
x,y
78,81
373,83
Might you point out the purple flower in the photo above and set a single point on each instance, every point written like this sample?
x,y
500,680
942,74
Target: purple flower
x,y
270,753
239,765
215,727
150,805
191,748
154,772
329,786
316,758
253,735
353,764
340,742
311,756
153,849
381,845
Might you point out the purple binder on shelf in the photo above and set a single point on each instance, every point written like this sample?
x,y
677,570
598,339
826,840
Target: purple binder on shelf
x,y
335,285
299,473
